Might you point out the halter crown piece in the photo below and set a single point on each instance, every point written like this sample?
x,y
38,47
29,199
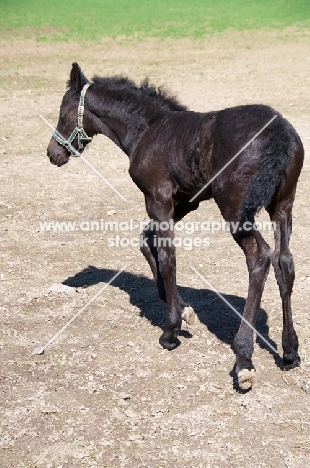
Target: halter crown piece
x,y
83,138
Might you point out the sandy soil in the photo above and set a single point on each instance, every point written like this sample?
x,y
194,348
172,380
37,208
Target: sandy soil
x,y
105,393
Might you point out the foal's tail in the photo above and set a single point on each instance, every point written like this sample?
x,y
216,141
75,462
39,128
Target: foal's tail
x,y
274,160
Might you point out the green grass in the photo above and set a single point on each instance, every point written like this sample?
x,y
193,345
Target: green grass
x,y
92,19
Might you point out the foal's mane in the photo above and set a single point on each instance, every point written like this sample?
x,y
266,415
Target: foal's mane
x,y
156,95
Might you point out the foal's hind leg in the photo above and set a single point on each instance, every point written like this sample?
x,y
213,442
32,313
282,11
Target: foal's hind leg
x,y
285,275
148,237
258,258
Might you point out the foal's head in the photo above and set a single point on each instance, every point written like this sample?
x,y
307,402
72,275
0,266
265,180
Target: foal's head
x,y
115,107
58,149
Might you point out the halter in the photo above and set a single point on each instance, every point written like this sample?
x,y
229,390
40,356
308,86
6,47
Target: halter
x,y
83,138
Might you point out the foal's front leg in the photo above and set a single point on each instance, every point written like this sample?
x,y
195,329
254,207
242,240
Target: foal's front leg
x,y
167,268
162,214
149,250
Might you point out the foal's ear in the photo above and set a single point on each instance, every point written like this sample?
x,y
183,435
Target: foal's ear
x,y
77,78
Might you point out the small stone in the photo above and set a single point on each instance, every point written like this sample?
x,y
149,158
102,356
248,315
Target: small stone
x,y
135,437
61,288
38,350
305,386
50,410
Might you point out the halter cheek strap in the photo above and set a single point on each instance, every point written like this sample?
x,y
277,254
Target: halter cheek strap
x,y
79,131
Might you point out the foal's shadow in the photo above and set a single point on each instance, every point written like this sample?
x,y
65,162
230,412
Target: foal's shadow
x,y
220,319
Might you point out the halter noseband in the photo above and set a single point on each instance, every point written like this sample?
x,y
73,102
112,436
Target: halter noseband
x,y
83,138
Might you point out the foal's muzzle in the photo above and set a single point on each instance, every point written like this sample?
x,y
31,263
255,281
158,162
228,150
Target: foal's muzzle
x,y
57,154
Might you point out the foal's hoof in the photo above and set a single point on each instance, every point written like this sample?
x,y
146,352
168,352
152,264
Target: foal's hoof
x,y
189,315
289,364
167,344
246,378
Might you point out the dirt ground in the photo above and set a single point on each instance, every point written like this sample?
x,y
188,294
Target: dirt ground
x,y
104,393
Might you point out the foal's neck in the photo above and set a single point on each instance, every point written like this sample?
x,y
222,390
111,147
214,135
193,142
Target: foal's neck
x,y
124,118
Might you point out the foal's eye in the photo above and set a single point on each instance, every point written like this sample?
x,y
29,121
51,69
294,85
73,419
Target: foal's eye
x,y
62,116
